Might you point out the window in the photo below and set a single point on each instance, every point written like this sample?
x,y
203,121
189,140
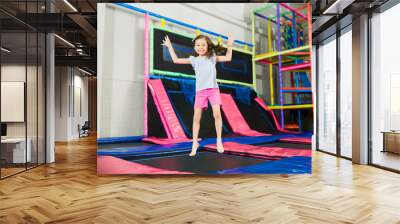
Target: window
x,y
346,92
327,95
22,87
385,89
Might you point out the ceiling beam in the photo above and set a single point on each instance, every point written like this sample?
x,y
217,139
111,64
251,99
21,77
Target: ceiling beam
x,y
85,61
85,25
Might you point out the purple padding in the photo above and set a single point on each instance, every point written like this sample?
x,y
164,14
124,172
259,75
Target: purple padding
x,y
165,109
165,141
262,150
235,118
296,140
113,165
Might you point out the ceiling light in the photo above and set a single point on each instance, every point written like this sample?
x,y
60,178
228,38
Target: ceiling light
x,y
70,5
64,40
79,51
86,72
5,50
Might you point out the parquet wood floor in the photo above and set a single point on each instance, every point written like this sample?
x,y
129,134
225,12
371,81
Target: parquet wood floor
x,y
69,191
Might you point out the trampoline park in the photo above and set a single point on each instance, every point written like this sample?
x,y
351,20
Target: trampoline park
x,y
260,136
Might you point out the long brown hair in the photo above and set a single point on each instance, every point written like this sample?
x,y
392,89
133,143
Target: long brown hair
x,y
211,47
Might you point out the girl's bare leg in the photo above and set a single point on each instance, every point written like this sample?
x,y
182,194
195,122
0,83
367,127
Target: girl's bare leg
x,y
218,127
196,128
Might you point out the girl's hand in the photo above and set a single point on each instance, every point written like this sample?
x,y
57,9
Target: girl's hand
x,y
228,56
230,40
167,42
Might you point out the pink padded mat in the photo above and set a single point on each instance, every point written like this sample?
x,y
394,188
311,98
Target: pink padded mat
x,y
167,114
113,165
165,141
235,118
165,109
262,150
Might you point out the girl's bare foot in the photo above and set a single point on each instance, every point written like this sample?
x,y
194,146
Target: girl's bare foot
x,y
195,145
220,146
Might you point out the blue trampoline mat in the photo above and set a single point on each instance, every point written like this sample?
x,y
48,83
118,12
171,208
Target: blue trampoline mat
x,y
113,140
126,151
290,165
183,147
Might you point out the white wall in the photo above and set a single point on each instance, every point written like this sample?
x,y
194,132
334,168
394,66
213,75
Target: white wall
x,y
120,72
12,73
13,101
81,108
61,103
221,18
15,73
121,55
33,126
67,114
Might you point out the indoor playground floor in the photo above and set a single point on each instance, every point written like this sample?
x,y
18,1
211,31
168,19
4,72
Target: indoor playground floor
x,y
262,158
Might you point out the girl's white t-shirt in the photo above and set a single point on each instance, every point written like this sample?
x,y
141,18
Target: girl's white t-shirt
x,y
206,73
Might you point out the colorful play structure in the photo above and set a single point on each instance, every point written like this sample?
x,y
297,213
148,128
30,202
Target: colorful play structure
x,y
259,135
289,54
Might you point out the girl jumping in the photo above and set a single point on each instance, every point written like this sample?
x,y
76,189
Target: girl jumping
x,y
206,82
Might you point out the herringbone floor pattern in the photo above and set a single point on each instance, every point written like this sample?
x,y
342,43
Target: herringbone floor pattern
x,y
70,191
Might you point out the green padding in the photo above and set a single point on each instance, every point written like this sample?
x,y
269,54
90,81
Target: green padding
x,y
151,49
267,6
176,74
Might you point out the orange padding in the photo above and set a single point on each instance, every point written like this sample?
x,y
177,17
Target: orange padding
x,y
291,126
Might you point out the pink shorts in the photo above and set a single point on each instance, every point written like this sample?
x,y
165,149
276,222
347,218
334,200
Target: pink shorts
x,y
204,95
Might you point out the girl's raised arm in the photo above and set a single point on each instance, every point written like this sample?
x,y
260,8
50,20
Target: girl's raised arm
x,y
171,50
228,56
